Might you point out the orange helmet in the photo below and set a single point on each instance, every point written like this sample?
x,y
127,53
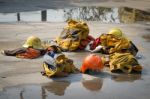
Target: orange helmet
x,y
92,62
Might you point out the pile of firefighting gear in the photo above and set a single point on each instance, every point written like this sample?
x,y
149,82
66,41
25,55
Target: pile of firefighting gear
x,y
74,36
120,51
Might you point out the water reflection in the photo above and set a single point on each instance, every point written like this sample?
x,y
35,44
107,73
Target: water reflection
x,y
8,17
119,77
129,15
93,85
102,14
56,87
51,90
34,16
126,77
18,16
93,14
21,92
44,15
64,89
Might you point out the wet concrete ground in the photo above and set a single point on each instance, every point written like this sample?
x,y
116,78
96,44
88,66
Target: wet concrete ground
x,y
21,78
86,13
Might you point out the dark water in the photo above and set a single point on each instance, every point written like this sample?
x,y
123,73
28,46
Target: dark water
x,y
93,13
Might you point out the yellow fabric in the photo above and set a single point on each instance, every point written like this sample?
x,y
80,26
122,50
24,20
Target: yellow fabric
x,y
72,34
74,45
63,64
108,40
79,25
123,43
114,43
51,72
60,59
67,64
34,42
112,40
103,39
125,62
69,67
64,43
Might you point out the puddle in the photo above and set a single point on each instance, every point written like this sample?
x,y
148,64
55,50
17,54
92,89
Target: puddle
x,y
93,13
126,78
56,88
52,90
118,86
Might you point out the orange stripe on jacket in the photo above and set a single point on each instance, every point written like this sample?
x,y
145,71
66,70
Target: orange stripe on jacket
x,y
30,53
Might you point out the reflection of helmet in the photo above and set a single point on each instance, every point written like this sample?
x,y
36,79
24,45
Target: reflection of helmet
x,y
116,32
56,87
34,42
92,62
93,85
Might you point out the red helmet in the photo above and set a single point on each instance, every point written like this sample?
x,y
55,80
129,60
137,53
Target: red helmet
x,y
92,62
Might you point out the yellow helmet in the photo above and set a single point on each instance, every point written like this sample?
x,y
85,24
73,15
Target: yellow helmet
x,y
116,32
34,42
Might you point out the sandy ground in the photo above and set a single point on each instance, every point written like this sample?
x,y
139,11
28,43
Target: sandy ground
x,y
21,78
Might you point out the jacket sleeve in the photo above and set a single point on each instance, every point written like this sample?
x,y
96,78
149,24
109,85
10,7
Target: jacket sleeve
x,y
30,53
